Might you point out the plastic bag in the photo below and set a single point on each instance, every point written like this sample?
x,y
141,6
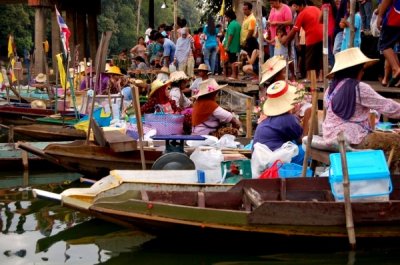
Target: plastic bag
x,y
208,159
374,28
273,171
263,156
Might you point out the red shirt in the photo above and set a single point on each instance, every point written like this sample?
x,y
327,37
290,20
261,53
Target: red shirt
x,y
308,19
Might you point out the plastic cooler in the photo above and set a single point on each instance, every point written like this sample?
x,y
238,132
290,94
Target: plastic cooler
x,y
368,174
291,170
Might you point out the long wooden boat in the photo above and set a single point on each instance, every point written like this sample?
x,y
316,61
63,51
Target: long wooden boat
x,y
47,132
92,160
295,207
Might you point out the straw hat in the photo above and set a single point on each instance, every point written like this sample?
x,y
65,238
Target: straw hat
x,y
177,76
206,87
350,57
164,70
114,70
271,67
137,82
202,67
40,78
38,104
156,85
280,98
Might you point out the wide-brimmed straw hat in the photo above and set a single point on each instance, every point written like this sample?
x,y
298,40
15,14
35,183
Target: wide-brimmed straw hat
x,y
164,70
40,78
202,67
281,98
114,70
38,104
271,67
177,76
206,87
157,84
349,58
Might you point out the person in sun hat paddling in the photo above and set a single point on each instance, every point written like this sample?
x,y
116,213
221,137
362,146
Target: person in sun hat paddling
x,y
348,103
280,125
207,116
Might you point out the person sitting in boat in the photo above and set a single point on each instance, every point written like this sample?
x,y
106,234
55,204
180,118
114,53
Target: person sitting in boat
x,y
207,116
40,80
159,98
348,103
203,74
179,81
163,74
114,81
280,125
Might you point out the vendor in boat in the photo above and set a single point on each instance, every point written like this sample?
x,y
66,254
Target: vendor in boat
x,y
207,116
40,80
179,81
280,125
203,74
114,81
163,74
159,98
348,103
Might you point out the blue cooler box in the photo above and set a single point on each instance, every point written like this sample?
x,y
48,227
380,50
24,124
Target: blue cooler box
x,y
368,173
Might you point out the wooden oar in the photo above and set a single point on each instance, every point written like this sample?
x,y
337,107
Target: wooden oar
x,y
136,105
314,109
346,192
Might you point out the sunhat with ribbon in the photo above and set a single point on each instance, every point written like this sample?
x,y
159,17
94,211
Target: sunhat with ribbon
x,y
271,67
206,87
114,70
349,58
164,70
38,104
157,84
281,98
40,78
177,76
202,67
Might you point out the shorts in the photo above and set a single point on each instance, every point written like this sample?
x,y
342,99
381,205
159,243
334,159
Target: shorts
x,y
232,57
389,37
314,57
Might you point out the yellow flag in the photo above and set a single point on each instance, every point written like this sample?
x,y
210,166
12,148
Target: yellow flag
x,y
10,46
61,71
1,80
222,11
13,78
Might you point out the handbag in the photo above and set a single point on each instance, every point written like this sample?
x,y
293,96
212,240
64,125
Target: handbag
x,y
273,171
165,124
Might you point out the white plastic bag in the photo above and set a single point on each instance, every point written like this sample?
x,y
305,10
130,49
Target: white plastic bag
x,y
374,27
263,156
227,141
208,159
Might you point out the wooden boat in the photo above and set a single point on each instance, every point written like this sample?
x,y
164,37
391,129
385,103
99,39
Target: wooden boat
x,y
92,160
298,207
47,132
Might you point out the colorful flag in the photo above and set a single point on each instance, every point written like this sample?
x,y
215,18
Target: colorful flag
x,y
10,46
12,75
61,70
64,32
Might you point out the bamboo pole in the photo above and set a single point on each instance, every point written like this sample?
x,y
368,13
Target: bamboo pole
x,y
314,92
136,105
249,110
325,50
352,30
175,21
138,17
260,39
346,192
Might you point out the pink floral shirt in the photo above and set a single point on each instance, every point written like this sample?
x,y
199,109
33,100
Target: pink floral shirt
x,y
358,126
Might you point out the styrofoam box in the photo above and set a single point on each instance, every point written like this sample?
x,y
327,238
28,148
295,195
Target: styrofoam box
x,y
368,173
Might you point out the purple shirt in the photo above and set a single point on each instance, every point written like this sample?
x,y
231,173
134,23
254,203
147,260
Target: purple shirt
x,y
276,130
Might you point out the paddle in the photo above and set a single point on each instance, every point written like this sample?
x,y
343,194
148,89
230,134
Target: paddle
x,y
136,105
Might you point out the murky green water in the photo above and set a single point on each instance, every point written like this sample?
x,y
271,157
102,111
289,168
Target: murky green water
x,y
35,231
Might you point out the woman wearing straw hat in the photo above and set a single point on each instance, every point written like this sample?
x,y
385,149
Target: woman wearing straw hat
x,y
207,116
348,102
203,74
159,96
179,82
280,125
113,86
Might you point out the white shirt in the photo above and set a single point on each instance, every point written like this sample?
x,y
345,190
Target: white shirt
x,y
175,94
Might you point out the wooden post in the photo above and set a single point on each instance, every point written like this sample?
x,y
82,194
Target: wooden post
x,y
325,47
346,192
138,17
25,159
314,108
40,22
352,30
175,21
136,105
11,134
249,110
260,39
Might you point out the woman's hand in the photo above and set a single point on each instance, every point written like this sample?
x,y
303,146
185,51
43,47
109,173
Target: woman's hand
x,y
236,123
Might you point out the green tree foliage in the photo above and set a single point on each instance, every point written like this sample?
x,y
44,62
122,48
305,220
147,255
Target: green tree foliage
x,y
17,20
212,7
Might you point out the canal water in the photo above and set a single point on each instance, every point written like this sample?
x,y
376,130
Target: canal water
x,y
36,231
